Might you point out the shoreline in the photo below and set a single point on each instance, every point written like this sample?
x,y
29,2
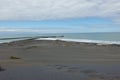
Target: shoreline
x,y
69,41
55,38
98,42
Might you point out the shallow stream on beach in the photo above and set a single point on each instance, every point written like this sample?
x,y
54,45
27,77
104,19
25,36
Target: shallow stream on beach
x,y
63,72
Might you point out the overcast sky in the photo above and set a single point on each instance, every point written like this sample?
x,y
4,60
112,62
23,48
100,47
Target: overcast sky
x,y
60,15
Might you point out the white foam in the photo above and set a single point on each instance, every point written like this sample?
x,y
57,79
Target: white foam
x,y
100,42
8,41
48,39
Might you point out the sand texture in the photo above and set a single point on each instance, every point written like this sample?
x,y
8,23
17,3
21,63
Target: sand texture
x,y
58,60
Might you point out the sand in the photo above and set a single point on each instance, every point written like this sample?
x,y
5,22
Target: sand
x,y
59,60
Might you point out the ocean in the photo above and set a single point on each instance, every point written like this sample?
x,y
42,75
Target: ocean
x,y
105,38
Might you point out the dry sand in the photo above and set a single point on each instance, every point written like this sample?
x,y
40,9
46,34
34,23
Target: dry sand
x,y
59,60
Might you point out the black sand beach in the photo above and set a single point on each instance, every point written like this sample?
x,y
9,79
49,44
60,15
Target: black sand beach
x,y
59,60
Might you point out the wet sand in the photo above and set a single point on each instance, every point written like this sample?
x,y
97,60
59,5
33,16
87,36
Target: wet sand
x,y
59,60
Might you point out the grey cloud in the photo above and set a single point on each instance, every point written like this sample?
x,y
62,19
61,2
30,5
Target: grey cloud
x,y
58,9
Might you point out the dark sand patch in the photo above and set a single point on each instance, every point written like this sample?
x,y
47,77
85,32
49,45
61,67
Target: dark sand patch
x,y
13,57
1,69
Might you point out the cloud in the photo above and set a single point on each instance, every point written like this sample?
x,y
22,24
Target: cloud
x,y
29,30
59,9
78,29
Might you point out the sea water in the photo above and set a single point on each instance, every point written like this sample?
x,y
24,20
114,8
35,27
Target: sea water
x,y
105,38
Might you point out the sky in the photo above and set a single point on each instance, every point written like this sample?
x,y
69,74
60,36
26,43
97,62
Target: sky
x,y
60,16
